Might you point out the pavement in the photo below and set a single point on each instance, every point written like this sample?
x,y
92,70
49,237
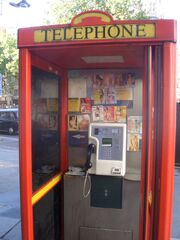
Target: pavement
x,y
10,222
10,227
176,207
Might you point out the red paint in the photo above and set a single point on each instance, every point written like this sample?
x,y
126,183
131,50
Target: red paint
x,y
58,57
165,31
168,142
63,123
25,145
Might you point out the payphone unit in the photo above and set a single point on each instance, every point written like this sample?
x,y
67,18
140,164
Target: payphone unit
x,y
107,149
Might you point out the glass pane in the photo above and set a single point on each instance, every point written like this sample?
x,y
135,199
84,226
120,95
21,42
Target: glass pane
x,y
45,126
47,216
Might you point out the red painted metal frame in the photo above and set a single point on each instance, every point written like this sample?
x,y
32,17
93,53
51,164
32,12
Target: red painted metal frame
x,y
159,146
26,61
143,158
149,141
25,145
145,228
168,142
156,137
153,138
166,147
44,65
165,31
63,124
63,140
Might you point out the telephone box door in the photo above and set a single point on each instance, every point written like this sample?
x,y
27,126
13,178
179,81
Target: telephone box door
x,y
43,117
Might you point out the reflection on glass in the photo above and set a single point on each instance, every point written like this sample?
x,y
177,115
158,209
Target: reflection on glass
x,y
47,216
45,125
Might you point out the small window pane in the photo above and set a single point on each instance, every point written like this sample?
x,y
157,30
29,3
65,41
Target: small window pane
x,y
45,127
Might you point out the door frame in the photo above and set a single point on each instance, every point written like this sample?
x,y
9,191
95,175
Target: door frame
x,y
28,197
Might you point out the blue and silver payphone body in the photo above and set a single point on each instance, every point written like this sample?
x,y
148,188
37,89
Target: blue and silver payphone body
x,y
107,149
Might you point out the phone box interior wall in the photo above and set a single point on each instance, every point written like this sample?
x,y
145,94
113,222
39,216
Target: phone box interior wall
x,y
78,85
87,222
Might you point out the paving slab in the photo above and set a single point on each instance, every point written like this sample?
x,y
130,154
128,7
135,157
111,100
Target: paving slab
x,y
176,206
6,224
15,233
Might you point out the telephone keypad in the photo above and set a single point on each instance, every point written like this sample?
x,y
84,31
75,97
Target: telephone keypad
x,y
110,145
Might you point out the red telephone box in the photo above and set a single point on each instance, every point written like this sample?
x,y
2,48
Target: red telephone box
x,y
111,82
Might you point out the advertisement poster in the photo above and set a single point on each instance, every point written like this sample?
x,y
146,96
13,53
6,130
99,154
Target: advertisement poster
x,y
110,96
130,80
134,124
97,113
102,94
108,113
83,122
125,79
99,96
134,127
120,113
134,143
78,122
109,88
103,113
52,104
113,80
124,93
85,105
72,122
104,89
73,104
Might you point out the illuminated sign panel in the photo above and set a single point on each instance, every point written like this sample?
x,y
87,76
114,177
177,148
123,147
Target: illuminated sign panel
x,y
101,32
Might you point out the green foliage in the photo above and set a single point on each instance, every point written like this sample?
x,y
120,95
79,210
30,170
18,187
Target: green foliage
x,y
63,11
9,63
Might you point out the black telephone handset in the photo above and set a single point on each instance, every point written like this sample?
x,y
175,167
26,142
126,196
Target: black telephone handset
x,y
91,149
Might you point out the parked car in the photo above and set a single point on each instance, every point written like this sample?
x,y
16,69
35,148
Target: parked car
x,y
9,120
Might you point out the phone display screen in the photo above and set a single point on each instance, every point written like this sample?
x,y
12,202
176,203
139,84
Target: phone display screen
x,y
107,142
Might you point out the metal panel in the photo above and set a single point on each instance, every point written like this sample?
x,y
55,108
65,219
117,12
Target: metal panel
x,y
78,212
106,191
104,234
